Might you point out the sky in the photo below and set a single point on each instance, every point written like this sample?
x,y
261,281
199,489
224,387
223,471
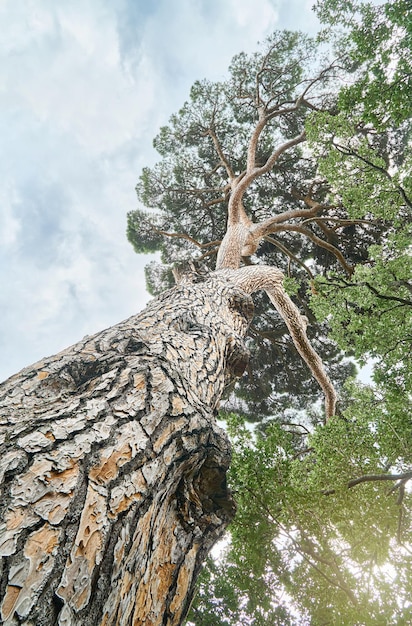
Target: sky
x,y
85,86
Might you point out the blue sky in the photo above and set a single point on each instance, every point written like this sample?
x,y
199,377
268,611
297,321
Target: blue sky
x,y
84,87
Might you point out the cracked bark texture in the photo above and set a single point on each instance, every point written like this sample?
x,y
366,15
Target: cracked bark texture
x,y
113,469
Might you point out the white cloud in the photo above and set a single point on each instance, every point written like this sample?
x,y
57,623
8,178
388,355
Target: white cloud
x,y
10,224
255,17
66,73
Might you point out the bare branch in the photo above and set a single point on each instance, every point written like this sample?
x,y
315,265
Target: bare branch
x,y
382,170
209,253
241,184
340,222
369,478
320,242
187,237
378,477
264,228
269,279
251,152
286,251
345,284
222,157
258,171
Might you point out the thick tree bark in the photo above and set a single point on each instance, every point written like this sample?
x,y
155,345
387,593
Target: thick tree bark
x,y
113,469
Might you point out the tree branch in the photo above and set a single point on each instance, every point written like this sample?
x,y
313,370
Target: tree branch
x,y
320,242
222,157
382,296
378,477
242,182
187,237
340,222
258,171
285,250
382,170
269,279
367,478
264,228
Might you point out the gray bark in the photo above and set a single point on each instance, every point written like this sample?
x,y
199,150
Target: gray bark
x,y
113,469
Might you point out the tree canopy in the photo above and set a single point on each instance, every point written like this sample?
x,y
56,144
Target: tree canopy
x,y
308,143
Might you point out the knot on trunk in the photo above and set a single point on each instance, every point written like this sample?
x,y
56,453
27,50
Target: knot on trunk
x,y
237,356
242,309
203,497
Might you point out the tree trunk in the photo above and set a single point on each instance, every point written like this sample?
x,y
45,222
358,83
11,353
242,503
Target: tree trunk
x,y
113,469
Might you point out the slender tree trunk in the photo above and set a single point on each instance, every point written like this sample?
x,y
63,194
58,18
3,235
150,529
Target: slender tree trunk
x,y
113,469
